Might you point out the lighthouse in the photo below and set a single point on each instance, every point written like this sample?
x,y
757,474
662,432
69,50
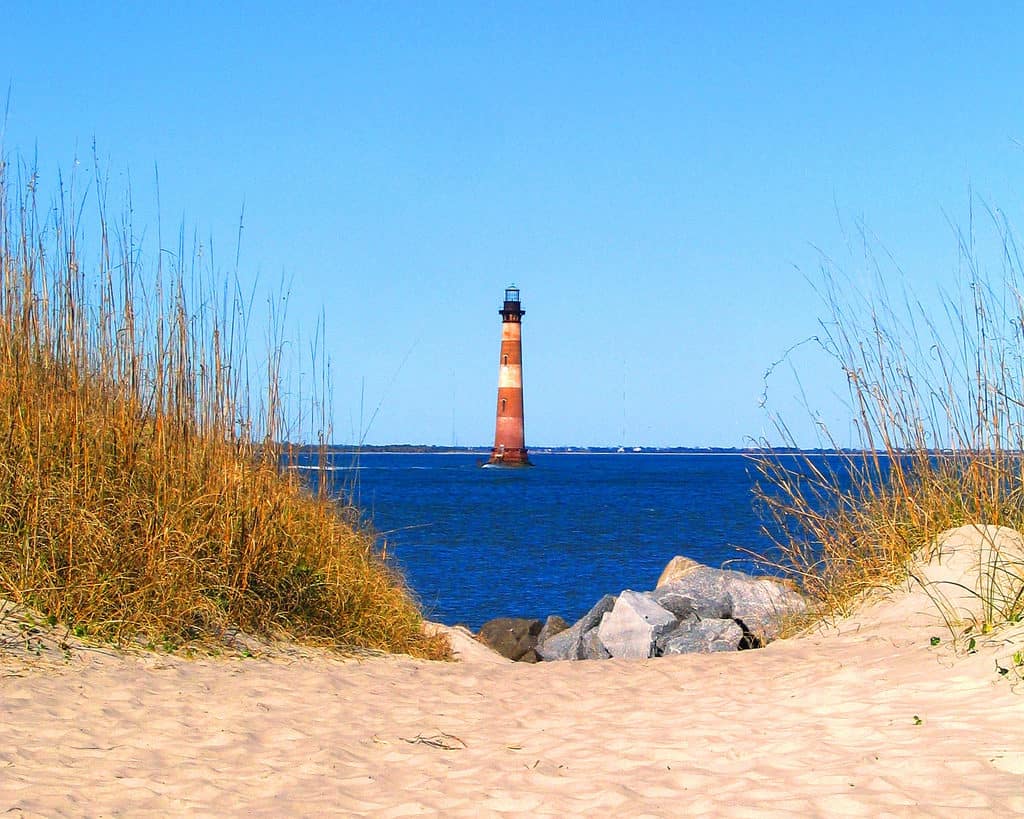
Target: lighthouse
x,y
509,432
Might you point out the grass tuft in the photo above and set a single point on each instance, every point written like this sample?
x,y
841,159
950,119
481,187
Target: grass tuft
x,y
936,400
142,494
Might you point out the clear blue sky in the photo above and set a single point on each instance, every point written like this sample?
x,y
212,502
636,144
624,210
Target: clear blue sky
x,y
654,176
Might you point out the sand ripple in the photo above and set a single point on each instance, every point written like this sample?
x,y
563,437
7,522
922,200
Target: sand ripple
x,y
869,720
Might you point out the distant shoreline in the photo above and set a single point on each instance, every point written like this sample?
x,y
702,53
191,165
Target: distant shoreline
x,y
486,451
483,452
533,452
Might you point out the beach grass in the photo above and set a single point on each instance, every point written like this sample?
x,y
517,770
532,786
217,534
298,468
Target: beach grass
x,y
144,494
936,409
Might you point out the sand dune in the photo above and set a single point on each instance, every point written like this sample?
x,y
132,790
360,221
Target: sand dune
x,y
866,718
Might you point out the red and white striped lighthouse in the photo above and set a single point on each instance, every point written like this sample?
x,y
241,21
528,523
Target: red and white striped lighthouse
x,y
509,431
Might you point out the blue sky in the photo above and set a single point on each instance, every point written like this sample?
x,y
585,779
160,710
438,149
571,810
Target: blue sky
x,y
658,178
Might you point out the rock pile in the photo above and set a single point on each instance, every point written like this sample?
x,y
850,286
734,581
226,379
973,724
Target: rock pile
x,y
694,609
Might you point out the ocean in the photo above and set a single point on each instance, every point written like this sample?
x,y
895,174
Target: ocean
x,y
475,544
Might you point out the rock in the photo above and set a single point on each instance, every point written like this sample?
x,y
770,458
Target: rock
x,y
567,645
592,648
760,605
530,656
511,637
702,593
757,603
676,569
630,629
698,609
552,626
696,636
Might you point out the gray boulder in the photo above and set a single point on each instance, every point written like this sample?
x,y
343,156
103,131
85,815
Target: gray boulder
x,y
568,644
762,603
696,636
592,648
758,603
630,629
552,626
701,593
511,637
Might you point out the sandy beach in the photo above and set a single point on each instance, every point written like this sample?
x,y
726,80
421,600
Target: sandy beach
x,y
866,718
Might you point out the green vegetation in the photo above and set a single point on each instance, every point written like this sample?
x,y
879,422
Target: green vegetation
x,y
134,501
936,398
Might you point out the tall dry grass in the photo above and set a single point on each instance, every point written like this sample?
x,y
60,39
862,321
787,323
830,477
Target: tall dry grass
x,y
936,400
142,492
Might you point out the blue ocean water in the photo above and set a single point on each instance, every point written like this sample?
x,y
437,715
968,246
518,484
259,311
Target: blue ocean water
x,y
481,543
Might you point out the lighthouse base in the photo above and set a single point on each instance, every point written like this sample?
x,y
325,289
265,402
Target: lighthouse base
x,y
508,458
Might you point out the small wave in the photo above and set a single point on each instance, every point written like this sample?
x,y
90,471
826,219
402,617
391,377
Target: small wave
x,y
314,468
